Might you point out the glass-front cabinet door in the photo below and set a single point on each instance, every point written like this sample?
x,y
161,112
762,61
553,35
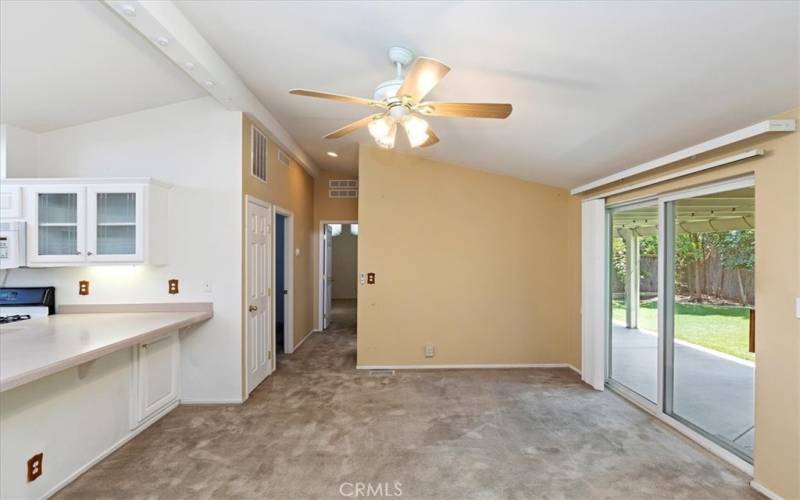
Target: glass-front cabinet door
x,y
58,235
114,223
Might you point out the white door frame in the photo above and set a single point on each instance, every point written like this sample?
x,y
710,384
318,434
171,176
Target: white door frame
x,y
664,337
270,330
321,265
288,278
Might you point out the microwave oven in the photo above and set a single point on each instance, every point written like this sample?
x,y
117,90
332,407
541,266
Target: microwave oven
x,y
12,244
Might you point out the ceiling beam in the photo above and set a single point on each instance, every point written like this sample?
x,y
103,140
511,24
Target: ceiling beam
x,y
690,152
165,26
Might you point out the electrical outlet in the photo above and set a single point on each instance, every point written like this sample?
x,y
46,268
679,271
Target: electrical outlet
x,y
172,286
83,287
429,351
35,466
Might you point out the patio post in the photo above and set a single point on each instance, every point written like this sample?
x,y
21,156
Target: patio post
x,y
632,279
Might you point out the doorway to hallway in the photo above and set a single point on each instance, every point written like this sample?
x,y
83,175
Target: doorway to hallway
x,y
284,280
338,274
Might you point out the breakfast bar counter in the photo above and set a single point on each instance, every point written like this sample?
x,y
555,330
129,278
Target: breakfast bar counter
x,y
36,348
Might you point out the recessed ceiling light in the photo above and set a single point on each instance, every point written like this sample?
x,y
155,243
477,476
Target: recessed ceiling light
x,y
331,153
162,41
128,10
188,65
210,84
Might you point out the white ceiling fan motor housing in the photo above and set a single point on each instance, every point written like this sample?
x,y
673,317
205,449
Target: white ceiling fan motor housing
x,y
387,89
400,57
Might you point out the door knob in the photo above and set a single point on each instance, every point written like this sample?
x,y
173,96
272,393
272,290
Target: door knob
x,y
252,308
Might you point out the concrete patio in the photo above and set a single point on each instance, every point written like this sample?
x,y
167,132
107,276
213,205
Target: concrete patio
x,y
712,391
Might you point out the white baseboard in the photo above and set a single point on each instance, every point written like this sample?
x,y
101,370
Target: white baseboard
x,y
764,490
211,401
465,367
303,340
574,369
114,447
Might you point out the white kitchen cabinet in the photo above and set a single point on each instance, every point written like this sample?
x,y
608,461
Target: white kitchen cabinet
x,y
58,231
115,223
10,202
94,221
156,377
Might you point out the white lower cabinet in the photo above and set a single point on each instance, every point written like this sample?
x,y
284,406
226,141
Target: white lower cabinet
x,y
156,368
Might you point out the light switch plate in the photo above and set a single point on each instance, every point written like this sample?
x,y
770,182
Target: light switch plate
x,y
363,278
429,351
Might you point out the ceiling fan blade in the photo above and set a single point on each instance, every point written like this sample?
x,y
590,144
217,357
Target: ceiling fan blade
x,y
465,109
351,127
337,97
422,76
432,139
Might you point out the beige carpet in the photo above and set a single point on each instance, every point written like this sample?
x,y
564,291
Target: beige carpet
x,y
317,427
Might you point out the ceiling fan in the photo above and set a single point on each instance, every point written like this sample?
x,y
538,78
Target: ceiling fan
x,y
400,101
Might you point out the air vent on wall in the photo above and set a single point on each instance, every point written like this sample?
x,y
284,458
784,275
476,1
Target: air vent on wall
x,y
343,188
343,193
258,154
283,157
343,183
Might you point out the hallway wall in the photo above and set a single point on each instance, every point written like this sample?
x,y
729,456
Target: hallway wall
x,y
292,188
345,261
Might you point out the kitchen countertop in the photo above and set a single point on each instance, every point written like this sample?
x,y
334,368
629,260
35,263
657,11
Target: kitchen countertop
x,y
35,348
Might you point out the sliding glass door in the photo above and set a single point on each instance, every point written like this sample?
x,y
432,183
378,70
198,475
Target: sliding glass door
x,y
708,311
633,282
681,330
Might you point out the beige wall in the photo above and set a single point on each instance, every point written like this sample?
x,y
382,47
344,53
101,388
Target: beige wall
x,y
469,261
291,188
345,264
777,180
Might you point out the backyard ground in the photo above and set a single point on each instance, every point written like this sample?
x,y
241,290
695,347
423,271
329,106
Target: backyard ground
x,y
723,328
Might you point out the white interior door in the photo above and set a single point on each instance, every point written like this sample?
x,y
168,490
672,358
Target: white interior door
x,y
327,276
259,344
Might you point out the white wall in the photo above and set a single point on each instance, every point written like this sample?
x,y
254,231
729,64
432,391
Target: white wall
x,y
196,146
71,420
17,151
345,264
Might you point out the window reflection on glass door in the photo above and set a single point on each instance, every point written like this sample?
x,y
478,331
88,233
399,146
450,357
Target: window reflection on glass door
x,y
709,278
633,281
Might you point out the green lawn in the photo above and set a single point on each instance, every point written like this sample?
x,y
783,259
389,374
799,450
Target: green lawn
x,y
722,328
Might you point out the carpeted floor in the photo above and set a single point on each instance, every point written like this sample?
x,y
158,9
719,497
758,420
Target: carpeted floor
x,y
317,427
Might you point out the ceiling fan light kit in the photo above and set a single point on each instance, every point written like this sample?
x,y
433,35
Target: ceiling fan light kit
x,y
401,102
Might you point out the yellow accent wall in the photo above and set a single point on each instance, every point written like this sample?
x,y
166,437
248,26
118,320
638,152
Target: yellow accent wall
x,y
471,262
777,284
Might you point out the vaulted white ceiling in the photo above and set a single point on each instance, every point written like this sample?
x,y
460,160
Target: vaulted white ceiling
x,y
596,87
64,63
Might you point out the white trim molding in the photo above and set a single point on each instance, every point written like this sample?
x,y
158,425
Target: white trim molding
x,y
764,490
704,147
675,175
488,366
304,339
593,293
